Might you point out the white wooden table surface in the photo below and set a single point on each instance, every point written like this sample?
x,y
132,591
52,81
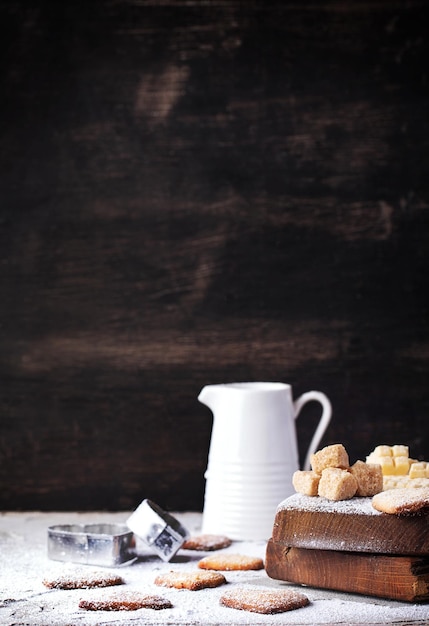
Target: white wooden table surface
x,y
25,600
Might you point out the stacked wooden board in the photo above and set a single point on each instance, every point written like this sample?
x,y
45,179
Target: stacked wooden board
x,y
349,546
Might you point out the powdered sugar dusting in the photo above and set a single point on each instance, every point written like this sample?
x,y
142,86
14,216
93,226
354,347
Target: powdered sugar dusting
x,y
267,601
25,600
402,501
355,506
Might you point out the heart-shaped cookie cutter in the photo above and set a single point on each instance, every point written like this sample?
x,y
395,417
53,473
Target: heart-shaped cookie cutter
x,y
92,544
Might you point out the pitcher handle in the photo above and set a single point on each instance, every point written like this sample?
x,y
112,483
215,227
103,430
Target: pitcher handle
x,y
323,422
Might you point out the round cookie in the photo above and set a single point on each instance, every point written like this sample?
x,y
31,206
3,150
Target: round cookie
x,y
193,581
402,501
230,562
267,601
125,601
82,579
207,542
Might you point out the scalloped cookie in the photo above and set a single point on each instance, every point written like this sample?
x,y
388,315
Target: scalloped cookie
x,y
207,542
193,581
266,601
125,601
82,579
230,562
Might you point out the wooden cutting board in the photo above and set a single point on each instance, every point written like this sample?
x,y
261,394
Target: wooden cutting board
x,y
350,526
404,578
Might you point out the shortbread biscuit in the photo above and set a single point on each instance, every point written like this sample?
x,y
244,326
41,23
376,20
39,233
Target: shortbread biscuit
x,y
83,580
194,581
125,601
230,562
267,601
337,484
306,482
207,543
402,501
369,478
330,456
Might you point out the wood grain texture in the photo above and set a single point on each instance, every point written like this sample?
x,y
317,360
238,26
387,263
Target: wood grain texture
x,y
351,529
196,193
403,578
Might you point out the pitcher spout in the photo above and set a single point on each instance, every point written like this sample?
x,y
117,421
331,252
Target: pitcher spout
x,y
208,395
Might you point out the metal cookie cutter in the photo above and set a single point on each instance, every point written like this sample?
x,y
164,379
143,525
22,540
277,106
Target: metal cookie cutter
x,y
93,544
158,529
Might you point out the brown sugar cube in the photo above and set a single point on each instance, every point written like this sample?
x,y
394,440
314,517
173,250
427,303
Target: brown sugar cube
x,y
306,482
369,478
337,484
330,456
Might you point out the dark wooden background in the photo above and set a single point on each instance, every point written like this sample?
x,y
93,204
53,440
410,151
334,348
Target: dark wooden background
x,y
200,192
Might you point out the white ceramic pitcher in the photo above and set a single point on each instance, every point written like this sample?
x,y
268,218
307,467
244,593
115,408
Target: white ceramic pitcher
x,y
253,454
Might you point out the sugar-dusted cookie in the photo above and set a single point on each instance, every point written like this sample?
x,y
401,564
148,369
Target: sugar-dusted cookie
x,y
194,581
83,579
207,543
402,501
266,601
124,601
228,562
